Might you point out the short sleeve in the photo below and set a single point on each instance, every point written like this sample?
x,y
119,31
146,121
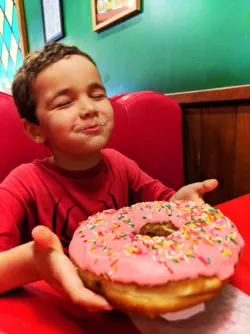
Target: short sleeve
x,y
11,216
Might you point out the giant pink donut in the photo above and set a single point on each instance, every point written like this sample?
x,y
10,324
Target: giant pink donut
x,y
206,244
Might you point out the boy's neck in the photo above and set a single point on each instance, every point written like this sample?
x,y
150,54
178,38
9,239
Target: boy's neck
x,y
76,164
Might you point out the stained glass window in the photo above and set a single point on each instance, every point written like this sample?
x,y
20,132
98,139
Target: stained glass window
x,y
10,48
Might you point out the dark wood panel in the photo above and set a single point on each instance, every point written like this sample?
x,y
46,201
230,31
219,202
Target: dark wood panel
x,y
192,143
242,153
212,95
218,150
209,148
216,133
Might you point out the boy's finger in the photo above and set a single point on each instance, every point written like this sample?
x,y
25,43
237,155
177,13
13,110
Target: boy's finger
x,y
67,276
203,187
45,238
64,276
91,301
209,185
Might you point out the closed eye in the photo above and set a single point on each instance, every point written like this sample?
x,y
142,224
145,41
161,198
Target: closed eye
x,y
63,104
98,96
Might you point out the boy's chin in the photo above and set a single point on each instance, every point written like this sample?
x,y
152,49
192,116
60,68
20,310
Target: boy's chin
x,y
99,144
97,147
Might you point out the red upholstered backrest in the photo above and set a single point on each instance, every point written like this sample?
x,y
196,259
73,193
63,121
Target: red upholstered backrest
x,y
147,129
15,147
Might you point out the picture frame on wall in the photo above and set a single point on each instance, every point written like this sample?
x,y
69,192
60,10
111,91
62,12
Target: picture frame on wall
x,y
53,26
108,12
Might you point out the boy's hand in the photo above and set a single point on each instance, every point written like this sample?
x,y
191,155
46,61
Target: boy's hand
x,y
195,191
57,270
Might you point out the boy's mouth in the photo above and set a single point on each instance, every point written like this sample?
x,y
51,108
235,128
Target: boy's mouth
x,y
92,128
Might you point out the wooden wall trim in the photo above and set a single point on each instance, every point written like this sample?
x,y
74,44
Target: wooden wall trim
x,y
22,26
213,95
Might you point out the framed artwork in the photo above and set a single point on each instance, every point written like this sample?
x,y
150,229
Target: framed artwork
x,y
52,20
108,12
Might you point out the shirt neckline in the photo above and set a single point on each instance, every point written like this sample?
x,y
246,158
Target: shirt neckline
x,y
72,174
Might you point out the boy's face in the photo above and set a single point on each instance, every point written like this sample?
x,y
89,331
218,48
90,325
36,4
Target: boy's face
x,y
75,116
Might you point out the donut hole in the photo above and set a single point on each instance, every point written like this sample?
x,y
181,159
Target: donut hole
x,y
158,229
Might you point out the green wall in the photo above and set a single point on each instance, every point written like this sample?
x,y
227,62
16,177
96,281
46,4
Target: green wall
x,y
172,46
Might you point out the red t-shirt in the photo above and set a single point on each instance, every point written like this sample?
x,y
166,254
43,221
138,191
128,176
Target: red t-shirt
x,y
40,193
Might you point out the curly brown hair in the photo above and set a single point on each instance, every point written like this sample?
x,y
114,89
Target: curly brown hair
x,y
33,64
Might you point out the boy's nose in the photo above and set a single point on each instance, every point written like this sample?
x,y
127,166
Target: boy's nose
x,y
87,109
88,113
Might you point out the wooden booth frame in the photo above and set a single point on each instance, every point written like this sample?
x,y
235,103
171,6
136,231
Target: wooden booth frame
x,y
22,27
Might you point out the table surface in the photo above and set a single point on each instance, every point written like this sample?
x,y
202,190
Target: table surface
x,y
238,210
39,309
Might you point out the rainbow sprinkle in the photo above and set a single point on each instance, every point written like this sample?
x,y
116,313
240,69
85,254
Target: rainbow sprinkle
x,y
202,228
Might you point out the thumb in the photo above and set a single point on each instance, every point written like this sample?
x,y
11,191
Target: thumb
x,y
203,187
45,238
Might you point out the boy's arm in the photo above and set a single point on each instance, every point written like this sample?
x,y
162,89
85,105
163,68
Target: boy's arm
x,y
145,188
142,186
44,259
40,259
17,267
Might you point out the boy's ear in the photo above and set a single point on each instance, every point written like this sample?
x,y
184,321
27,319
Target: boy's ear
x,y
33,131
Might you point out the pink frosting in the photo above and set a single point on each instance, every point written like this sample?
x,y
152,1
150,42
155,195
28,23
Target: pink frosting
x,y
207,243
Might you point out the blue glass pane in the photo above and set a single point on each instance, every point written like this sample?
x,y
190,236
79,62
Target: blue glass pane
x,y
2,17
2,4
19,59
3,75
6,33
1,69
15,25
1,45
8,30
11,70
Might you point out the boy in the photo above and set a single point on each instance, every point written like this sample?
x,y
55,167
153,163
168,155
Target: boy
x,y
62,102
